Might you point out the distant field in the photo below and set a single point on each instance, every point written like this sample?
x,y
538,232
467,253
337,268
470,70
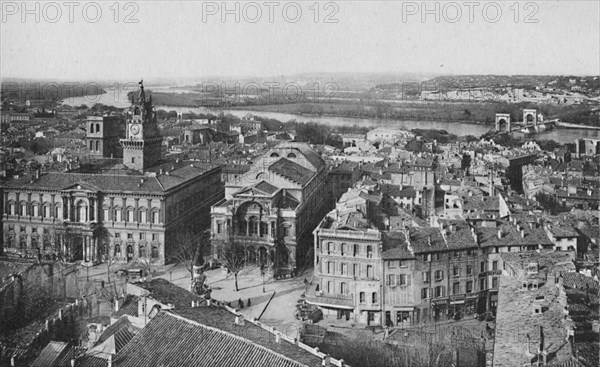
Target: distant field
x,y
469,112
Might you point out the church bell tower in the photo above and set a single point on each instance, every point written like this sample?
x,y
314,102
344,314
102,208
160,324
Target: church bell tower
x,y
141,147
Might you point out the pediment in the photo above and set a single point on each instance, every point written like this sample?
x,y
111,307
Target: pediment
x,y
251,192
82,186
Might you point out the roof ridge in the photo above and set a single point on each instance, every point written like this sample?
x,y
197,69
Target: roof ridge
x,y
173,314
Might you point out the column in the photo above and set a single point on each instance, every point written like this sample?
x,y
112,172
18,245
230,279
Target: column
x,y
247,228
111,211
6,202
72,215
136,214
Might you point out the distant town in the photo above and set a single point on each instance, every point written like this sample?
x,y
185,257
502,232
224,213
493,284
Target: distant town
x,y
157,236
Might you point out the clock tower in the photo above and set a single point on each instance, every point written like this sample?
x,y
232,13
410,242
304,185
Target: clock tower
x,y
141,147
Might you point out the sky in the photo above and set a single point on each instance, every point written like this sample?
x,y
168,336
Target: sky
x,y
180,39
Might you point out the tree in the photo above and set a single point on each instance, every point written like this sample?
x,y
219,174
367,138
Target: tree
x,y
232,254
102,235
188,247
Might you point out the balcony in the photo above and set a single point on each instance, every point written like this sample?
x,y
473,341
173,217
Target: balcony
x,y
334,300
369,235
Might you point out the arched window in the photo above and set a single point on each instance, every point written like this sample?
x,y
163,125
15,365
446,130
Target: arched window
x,y
291,155
343,249
260,176
154,252
97,145
91,145
92,128
117,252
143,214
142,251
264,229
242,227
130,215
253,226
82,211
374,298
97,128
330,248
274,155
136,111
370,251
362,297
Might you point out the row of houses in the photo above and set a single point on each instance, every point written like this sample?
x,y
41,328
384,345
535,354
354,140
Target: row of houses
x,y
419,272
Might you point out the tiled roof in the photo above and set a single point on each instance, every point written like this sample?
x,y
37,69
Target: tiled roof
x,y
50,354
311,156
166,292
221,318
481,203
580,281
292,170
458,234
129,307
426,239
171,340
266,187
108,182
395,246
488,236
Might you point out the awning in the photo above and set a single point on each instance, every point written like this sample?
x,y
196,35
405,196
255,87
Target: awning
x,y
405,308
313,301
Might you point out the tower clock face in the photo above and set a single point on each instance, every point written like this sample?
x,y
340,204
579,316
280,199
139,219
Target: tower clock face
x,y
134,129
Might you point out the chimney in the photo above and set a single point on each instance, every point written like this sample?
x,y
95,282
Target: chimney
x,y
522,233
499,234
277,338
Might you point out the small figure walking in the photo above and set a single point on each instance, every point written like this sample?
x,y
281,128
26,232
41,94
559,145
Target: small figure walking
x,y
240,303
249,302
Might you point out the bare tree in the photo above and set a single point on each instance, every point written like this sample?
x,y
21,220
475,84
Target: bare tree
x,y
188,250
102,235
232,253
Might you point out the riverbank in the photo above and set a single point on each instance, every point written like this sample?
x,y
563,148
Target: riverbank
x,y
566,125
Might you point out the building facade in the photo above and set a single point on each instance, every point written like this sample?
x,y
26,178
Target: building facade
x,y
274,206
119,215
102,136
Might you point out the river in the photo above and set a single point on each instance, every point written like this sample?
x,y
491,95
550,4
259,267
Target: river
x,y
461,129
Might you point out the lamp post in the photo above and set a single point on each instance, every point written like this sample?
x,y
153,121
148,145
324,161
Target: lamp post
x,y
262,272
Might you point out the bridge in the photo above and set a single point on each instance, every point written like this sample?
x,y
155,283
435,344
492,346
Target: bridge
x,y
531,123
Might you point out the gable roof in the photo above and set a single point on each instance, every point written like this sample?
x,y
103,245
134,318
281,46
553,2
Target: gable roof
x,y
292,171
50,354
172,340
